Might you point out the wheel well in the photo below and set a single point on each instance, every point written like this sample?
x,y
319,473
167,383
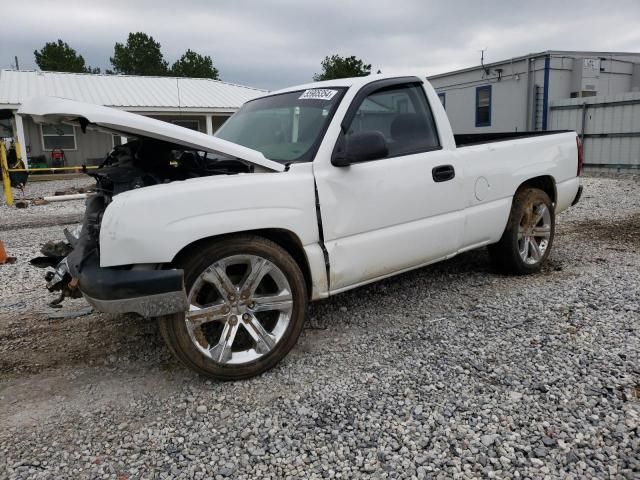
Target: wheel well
x,y
546,183
284,238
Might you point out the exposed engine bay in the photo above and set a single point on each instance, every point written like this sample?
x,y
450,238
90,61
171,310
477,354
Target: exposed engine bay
x,y
144,162
137,164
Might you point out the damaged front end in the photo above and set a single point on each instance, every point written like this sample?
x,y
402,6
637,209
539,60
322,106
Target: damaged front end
x,y
67,258
149,290
143,289
161,153
59,277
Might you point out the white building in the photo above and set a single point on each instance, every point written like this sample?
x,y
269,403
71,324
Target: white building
x,y
516,94
200,104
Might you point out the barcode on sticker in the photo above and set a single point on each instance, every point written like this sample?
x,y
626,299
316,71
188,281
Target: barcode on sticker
x,y
318,94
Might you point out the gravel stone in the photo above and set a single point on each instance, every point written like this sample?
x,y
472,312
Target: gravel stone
x,y
571,458
489,440
540,452
450,371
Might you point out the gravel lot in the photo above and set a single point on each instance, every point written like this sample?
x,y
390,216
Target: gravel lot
x,y
451,371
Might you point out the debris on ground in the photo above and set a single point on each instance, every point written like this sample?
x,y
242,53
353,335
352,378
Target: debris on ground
x,y
4,257
73,191
54,315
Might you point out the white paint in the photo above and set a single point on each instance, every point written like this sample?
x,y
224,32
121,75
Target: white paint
x,y
481,188
317,267
179,213
209,124
64,198
21,140
386,215
379,218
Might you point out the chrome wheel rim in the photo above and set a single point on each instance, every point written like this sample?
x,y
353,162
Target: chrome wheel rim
x,y
534,233
240,308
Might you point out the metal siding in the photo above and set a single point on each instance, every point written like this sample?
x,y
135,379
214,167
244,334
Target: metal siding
x,y
539,105
124,91
508,98
604,118
92,148
545,98
510,95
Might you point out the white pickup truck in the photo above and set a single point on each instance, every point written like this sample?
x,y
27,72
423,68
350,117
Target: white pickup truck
x,y
302,194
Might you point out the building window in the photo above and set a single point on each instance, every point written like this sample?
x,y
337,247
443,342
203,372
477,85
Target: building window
x,y
58,136
483,106
443,99
583,93
190,124
116,140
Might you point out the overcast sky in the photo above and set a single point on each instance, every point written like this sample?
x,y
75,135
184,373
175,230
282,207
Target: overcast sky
x,y
275,43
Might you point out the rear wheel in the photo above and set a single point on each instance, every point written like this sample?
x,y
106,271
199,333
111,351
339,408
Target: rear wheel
x,y
248,302
527,240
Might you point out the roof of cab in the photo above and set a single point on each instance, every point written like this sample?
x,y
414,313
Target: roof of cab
x,y
341,82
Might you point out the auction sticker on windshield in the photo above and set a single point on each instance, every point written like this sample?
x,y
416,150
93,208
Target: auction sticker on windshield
x,y
318,94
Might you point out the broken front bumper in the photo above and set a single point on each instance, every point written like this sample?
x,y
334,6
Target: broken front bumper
x,y
150,293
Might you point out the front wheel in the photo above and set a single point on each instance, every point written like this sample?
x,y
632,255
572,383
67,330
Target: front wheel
x,y
528,237
248,302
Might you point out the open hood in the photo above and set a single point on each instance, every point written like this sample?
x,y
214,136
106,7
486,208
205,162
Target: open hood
x,y
97,117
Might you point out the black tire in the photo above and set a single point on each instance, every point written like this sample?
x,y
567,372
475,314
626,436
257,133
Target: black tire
x,y
174,327
505,255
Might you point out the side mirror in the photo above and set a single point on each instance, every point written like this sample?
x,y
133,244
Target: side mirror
x,y
361,147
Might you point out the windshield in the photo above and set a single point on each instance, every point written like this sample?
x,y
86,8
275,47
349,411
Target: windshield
x,y
286,127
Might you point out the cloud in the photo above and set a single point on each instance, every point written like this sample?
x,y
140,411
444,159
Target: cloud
x,y
276,43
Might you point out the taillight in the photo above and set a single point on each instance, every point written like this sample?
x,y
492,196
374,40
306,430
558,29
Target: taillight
x,y
580,156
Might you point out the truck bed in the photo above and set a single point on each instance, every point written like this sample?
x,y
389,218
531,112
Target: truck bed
x,y
468,139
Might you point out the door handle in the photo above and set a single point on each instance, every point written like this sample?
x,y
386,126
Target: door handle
x,y
443,173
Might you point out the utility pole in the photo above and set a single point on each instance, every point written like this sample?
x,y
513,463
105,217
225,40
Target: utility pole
x,y
17,64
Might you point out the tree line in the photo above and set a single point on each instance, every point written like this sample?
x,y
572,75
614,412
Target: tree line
x,y
139,55
142,55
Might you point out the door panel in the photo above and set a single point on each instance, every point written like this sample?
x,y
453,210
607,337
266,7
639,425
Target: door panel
x,y
391,214
388,215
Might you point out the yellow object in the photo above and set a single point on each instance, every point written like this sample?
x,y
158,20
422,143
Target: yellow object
x,y
6,181
52,169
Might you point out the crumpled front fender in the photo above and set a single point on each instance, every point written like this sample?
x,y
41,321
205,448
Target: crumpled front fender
x,y
153,224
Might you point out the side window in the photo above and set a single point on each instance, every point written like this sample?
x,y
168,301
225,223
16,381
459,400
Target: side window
x,y
443,99
402,114
483,106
